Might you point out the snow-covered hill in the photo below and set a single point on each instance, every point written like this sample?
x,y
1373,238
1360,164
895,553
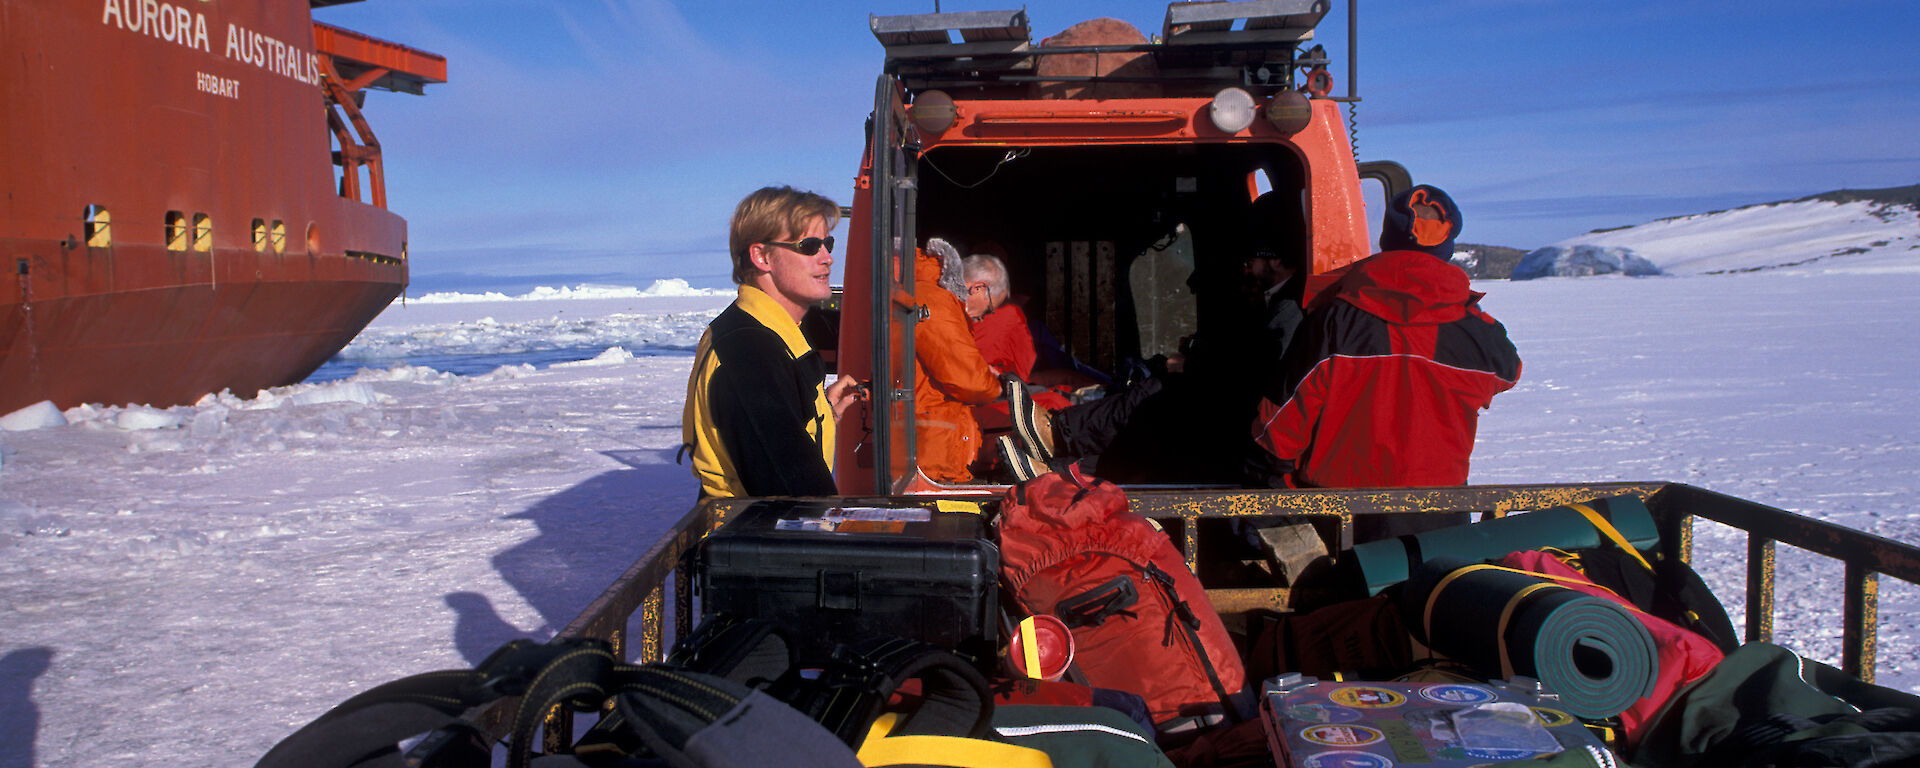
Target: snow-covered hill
x,y
1866,231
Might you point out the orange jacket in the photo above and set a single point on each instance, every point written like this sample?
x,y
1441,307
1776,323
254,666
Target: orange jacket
x,y
948,376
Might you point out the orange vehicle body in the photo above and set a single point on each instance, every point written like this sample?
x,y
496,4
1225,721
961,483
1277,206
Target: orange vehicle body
x,y
194,202
1083,181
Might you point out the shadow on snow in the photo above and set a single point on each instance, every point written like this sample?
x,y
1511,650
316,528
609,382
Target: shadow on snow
x,y
588,535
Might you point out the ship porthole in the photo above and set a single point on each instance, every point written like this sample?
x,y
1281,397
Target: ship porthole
x,y
279,236
313,238
98,227
260,235
202,233
177,231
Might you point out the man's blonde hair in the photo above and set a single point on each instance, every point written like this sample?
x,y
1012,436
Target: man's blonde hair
x,y
773,214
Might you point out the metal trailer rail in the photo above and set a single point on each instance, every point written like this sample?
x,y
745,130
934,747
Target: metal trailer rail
x,y
636,602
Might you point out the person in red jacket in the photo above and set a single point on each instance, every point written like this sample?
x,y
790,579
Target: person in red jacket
x,y
1010,340
1004,335
999,326
1386,378
949,375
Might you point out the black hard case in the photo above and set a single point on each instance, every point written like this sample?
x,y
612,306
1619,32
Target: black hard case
x,y
936,580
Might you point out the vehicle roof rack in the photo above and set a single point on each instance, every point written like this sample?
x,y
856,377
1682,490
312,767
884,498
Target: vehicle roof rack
x,y
1212,42
988,42
1205,34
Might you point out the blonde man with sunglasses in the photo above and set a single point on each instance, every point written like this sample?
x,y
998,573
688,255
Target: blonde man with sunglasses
x,y
759,417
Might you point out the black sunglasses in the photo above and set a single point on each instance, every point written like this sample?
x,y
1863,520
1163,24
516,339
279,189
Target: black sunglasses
x,y
807,247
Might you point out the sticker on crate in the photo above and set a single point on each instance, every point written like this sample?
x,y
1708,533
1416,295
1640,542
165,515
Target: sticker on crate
x,y
1318,724
857,520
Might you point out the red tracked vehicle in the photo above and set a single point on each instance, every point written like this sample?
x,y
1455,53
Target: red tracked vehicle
x,y
1115,170
194,200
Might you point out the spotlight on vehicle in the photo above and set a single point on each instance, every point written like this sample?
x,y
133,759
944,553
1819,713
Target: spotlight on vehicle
x,y
1232,110
1289,112
933,111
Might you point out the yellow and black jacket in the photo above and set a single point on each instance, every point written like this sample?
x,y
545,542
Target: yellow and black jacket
x,y
757,419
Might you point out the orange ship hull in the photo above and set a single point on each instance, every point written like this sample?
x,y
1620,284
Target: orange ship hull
x,y
194,203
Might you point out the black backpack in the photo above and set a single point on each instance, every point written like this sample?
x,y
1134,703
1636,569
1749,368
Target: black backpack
x,y
1670,590
727,696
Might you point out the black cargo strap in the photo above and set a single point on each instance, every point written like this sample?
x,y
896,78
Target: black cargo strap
x,y
574,673
364,730
853,689
697,720
1410,544
955,700
673,706
751,652
853,686
1114,597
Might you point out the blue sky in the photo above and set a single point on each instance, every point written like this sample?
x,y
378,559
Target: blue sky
x,y
607,140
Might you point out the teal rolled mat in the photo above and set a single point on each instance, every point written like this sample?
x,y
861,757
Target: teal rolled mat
x,y
1385,563
1592,652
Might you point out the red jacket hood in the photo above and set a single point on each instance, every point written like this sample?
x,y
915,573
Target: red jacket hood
x,y
1404,287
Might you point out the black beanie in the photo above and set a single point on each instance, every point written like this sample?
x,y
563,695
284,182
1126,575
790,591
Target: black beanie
x,y
1396,233
1278,227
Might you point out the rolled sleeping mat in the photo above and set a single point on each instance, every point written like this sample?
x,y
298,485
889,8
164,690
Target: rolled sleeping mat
x,y
1382,564
1501,623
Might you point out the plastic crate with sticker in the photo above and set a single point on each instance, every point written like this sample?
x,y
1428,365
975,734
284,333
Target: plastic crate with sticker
x,y
831,573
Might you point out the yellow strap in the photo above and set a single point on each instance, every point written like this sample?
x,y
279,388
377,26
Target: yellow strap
x,y
1426,619
950,751
957,751
1030,648
1549,577
1568,559
1612,534
1500,629
1506,612
1624,603
1607,734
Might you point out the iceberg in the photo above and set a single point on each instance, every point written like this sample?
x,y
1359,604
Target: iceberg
x,y
1583,261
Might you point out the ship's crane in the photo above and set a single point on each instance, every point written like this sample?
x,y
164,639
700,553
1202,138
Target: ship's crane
x,y
350,63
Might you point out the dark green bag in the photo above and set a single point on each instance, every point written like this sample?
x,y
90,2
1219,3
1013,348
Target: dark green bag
x,y
1765,706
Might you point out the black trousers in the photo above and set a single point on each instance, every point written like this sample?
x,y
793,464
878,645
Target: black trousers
x,y
1175,428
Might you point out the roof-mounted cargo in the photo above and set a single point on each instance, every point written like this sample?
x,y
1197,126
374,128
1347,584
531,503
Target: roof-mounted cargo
x,y
1254,43
930,36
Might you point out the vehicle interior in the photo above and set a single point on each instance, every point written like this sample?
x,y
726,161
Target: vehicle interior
x,y
1125,254
1120,250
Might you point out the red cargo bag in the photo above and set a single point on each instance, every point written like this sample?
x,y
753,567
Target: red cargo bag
x,y
1140,620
